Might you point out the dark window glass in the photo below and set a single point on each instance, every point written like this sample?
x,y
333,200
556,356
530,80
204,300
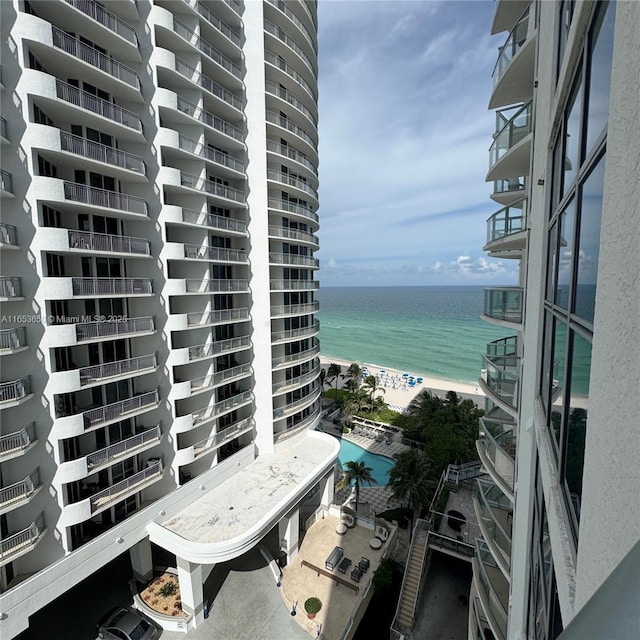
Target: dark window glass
x,y
577,421
546,362
566,253
552,262
588,248
572,136
558,381
600,73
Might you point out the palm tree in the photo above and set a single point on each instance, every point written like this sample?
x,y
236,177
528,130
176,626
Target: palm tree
x,y
371,384
333,372
323,378
354,372
412,477
356,473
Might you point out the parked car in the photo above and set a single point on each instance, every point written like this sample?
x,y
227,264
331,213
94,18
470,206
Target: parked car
x,y
127,624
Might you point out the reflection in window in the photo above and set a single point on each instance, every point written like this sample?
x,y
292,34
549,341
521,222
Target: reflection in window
x,y
546,361
572,136
589,242
600,73
552,262
566,251
577,421
558,382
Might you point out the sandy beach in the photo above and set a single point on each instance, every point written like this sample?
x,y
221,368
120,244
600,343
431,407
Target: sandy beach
x,y
398,393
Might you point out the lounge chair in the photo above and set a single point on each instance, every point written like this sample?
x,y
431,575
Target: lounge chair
x,y
356,574
334,558
344,565
363,565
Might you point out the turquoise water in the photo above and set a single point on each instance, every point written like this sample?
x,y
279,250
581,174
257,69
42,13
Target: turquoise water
x,y
432,330
380,465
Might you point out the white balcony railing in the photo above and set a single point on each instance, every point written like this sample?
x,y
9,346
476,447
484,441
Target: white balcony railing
x,y
121,489
100,152
291,334
214,317
23,540
293,234
90,241
273,89
217,254
8,234
20,491
283,65
285,123
97,373
209,186
282,35
205,151
104,198
216,285
6,181
292,207
293,259
292,154
221,346
279,4
294,285
111,286
224,406
95,58
15,390
10,287
18,440
96,105
294,309
204,219
105,18
221,377
296,357
209,119
96,330
215,22
116,451
208,84
291,181
119,410
11,339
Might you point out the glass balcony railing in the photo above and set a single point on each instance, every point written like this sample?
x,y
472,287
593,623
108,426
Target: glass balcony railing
x,y
96,105
502,376
16,442
221,377
204,219
11,339
493,589
100,152
93,57
293,383
497,445
105,18
3,129
215,254
209,119
507,221
516,39
307,354
205,47
510,131
503,347
129,327
495,519
294,309
292,334
504,303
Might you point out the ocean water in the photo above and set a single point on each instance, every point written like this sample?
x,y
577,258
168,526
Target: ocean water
x,y
432,330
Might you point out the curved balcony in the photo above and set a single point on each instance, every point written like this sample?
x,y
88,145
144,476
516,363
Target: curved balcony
x,y
105,18
508,191
90,150
294,260
127,328
511,148
295,334
310,422
284,386
104,199
492,588
17,544
15,393
207,49
501,381
294,234
494,514
88,287
507,230
232,226
116,411
281,362
13,341
290,45
215,254
297,405
293,285
504,305
102,373
308,37
95,59
300,136
89,242
212,155
496,447
280,63
228,32
219,347
212,188
218,409
206,286
200,319
215,441
209,119
292,154
8,236
214,380
6,184
290,181
290,207
507,13
210,85
288,310
513,73
19,493
10,289
16,444
102,108
285,95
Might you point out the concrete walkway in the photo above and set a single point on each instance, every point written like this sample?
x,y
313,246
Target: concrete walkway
x,y
247,605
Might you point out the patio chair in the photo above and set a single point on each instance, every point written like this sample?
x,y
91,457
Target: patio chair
x,y
356,574
344,565
363,565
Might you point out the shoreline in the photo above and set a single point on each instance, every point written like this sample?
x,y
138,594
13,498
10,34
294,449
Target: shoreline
x,y
398,395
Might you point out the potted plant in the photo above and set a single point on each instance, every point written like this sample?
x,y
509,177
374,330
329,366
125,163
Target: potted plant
x,y
312,606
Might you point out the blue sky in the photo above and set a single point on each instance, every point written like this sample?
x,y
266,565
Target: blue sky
x,y
404,140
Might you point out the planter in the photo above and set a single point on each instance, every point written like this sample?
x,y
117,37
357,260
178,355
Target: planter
x,y
312,606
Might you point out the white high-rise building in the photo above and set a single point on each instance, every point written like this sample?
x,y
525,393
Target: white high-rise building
x,y
158,344
560,515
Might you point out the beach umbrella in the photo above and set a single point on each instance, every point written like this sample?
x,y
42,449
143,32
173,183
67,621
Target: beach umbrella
x,y
412,383
405,375
419,380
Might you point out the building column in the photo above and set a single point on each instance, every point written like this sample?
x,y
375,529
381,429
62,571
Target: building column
x,y
327,490
288,533
141,560
191,591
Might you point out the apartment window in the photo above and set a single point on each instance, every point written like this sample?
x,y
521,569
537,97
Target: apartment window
x,y
566,8
45,168
55,265
575,211
50,217
40,117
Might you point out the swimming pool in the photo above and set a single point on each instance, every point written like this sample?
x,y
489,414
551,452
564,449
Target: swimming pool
x,y
380,465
